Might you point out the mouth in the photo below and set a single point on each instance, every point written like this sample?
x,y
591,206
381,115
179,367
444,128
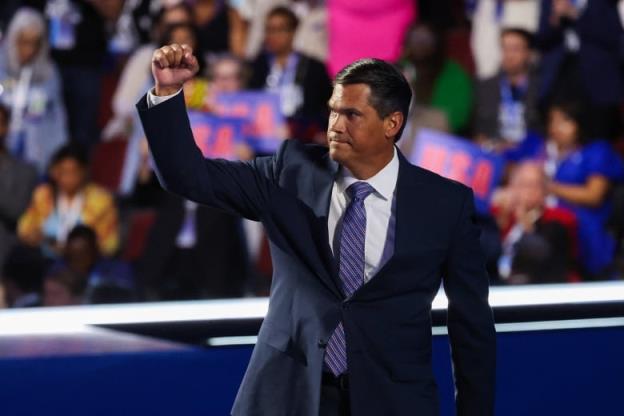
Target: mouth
x,y
338,140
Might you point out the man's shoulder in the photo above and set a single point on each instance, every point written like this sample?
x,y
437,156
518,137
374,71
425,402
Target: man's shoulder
x,y
294,150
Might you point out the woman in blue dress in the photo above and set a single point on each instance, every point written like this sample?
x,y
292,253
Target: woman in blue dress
x,y
582,173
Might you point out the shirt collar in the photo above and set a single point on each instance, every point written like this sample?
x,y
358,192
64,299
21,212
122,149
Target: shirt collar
x,y
383,181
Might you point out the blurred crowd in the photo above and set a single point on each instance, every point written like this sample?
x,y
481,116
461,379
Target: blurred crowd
x,y
83,219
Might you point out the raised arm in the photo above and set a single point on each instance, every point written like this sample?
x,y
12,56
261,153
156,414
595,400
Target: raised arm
x,y
242,188
470,322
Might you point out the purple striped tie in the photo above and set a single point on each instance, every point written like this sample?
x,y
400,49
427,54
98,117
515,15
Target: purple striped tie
x,y
352,240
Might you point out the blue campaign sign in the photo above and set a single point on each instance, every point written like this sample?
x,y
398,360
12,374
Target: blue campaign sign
x,y
265,129
216,136
461,160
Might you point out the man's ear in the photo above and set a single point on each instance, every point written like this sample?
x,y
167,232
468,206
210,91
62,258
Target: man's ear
x,y
393,123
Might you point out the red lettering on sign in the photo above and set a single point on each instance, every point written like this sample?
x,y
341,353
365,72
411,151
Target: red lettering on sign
x,y
458,169
202,137
482,178
433,158
223,142
264,121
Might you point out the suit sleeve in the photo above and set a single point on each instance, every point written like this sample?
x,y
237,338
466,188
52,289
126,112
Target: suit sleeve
x,y
470,321
241,188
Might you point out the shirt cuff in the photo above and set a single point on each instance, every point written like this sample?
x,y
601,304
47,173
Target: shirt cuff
x,y
153,100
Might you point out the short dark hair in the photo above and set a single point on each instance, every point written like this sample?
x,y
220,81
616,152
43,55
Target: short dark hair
x,y
85,232
390,91
72,151
293,20
575,111
517,31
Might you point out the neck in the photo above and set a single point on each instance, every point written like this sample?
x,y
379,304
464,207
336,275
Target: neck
x,y
516,78
71,195
282,57
566,149
368,169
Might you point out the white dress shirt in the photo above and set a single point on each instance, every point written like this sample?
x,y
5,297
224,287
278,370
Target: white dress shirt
x,y
380,215
380,209
153,99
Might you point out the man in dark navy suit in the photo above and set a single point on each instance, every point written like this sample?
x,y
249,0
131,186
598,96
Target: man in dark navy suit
x,y
361,242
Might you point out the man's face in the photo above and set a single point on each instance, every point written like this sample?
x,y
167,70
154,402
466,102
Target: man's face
x,y
226,76
515,54
355,132
528,186
278,35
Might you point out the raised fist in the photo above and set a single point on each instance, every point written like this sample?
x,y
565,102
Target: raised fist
x,y
172,66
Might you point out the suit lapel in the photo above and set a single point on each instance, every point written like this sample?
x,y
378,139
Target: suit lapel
x,y
408,221
322,184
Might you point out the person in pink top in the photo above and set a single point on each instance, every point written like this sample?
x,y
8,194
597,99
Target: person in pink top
x,y
367,28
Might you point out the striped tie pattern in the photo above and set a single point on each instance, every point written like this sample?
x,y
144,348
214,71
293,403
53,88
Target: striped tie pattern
x,y
351,265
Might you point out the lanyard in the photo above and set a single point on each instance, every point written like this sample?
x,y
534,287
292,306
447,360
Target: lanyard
x,y
68,213
511,116
279,77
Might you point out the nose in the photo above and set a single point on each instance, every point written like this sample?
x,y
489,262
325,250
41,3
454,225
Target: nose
x,y
336,123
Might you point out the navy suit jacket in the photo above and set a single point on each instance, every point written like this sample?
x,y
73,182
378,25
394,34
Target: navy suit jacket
x,y
387,321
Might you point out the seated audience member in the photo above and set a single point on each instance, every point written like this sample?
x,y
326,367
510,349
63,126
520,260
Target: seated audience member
x,y
582,173
67,200
539,242
63,287
22,277
31,88
82,256
137,73
580,45
506,104
437,82
17,180
489,20
301,81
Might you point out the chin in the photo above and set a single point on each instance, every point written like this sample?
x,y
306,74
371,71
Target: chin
x,y
336,154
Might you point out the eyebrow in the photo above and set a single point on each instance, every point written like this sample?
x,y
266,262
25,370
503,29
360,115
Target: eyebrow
x,y
344,110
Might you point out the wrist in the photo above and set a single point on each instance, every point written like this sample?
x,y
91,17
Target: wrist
x,y
161,91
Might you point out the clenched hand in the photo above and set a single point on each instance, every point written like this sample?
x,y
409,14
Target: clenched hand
x,y
172,66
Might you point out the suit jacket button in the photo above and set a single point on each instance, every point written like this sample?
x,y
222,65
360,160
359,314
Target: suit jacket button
x,y
322,343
